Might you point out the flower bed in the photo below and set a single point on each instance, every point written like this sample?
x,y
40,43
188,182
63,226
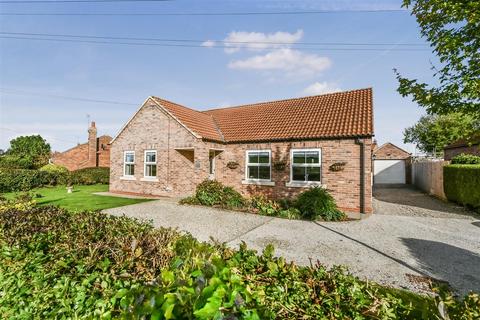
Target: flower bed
x,y
315,203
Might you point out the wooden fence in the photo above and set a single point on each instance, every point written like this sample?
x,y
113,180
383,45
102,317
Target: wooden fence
x,y
427,175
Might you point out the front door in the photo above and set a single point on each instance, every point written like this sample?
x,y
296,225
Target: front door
x,y
212,165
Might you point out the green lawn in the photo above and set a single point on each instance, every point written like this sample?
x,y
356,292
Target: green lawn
x,y
82,198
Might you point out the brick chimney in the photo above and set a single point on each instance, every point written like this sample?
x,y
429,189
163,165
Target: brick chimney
x,y
92,145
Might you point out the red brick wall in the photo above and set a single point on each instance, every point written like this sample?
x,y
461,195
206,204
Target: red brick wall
x,y
183,162
96,152
389,151
72,158
450,153
103,151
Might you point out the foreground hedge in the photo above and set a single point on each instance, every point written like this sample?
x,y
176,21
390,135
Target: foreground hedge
x,y
461,184
24,179
58,264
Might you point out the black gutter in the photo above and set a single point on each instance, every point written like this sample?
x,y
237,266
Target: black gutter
x,y
361,143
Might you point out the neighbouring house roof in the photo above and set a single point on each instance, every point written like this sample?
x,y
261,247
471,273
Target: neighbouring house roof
x,y
388,150
472,141
336,115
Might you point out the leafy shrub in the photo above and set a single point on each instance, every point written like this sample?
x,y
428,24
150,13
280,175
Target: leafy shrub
x,y
89,176
232,199
461,183
261,205
22,202
9,161
209,192
24,179
58,264
465,159
54,168
318,203
189,200
214,193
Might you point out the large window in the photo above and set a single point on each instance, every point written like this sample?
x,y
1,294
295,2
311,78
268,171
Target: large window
x,y
129,163
306,165
150,170
258,165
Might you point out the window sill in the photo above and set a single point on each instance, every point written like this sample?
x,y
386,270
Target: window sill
x,y
130,178
259,182
147,179
304,184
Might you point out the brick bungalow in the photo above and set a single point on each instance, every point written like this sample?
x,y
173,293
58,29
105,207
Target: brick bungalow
x,y
277,148
94,153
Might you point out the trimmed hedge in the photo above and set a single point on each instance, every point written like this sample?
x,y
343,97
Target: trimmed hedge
x,y
13,180
24,179
90,176
464,158
461,183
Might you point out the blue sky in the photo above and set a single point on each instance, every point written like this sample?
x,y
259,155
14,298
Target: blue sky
x,y
33,74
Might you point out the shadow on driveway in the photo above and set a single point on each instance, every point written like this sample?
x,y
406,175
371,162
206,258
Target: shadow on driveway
x,y
457,266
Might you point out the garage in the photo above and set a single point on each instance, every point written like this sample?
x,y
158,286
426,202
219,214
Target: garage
x,y
389,172
390,165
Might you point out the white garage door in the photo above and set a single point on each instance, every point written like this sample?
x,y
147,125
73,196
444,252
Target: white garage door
x,y
388,171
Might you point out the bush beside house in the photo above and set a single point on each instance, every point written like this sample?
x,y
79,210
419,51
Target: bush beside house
x,y
311,204
462,184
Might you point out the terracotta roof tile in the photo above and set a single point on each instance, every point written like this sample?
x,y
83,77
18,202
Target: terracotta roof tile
x,y
200,123
335,115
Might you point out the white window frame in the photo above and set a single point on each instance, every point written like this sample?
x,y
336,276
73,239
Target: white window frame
x,y
258,181
145,163
295,183
125,163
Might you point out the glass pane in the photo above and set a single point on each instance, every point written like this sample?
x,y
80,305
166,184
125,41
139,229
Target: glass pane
x,y
313,174
312,157
129,169
151,170
263,157
264,172
252,172
252,157
298,173
299,157
150,157
129,157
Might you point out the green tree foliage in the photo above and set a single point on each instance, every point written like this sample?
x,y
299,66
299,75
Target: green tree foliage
x,y
453,30
433,132
28,152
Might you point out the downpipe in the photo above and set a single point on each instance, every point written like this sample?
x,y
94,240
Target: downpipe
x,y
361,143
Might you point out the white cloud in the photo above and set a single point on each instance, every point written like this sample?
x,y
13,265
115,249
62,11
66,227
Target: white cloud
x,y
237,40
291,62
320,88
209,44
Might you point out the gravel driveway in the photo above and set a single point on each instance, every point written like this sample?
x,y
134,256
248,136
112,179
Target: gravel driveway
x,y
411,236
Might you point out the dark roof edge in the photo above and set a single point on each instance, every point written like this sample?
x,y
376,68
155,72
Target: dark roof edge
x,y
291,139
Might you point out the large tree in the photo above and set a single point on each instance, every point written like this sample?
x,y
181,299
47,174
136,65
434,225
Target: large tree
x,y
433,132
27,152
453,29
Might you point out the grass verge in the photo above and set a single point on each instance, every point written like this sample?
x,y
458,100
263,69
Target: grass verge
x,y
82,198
